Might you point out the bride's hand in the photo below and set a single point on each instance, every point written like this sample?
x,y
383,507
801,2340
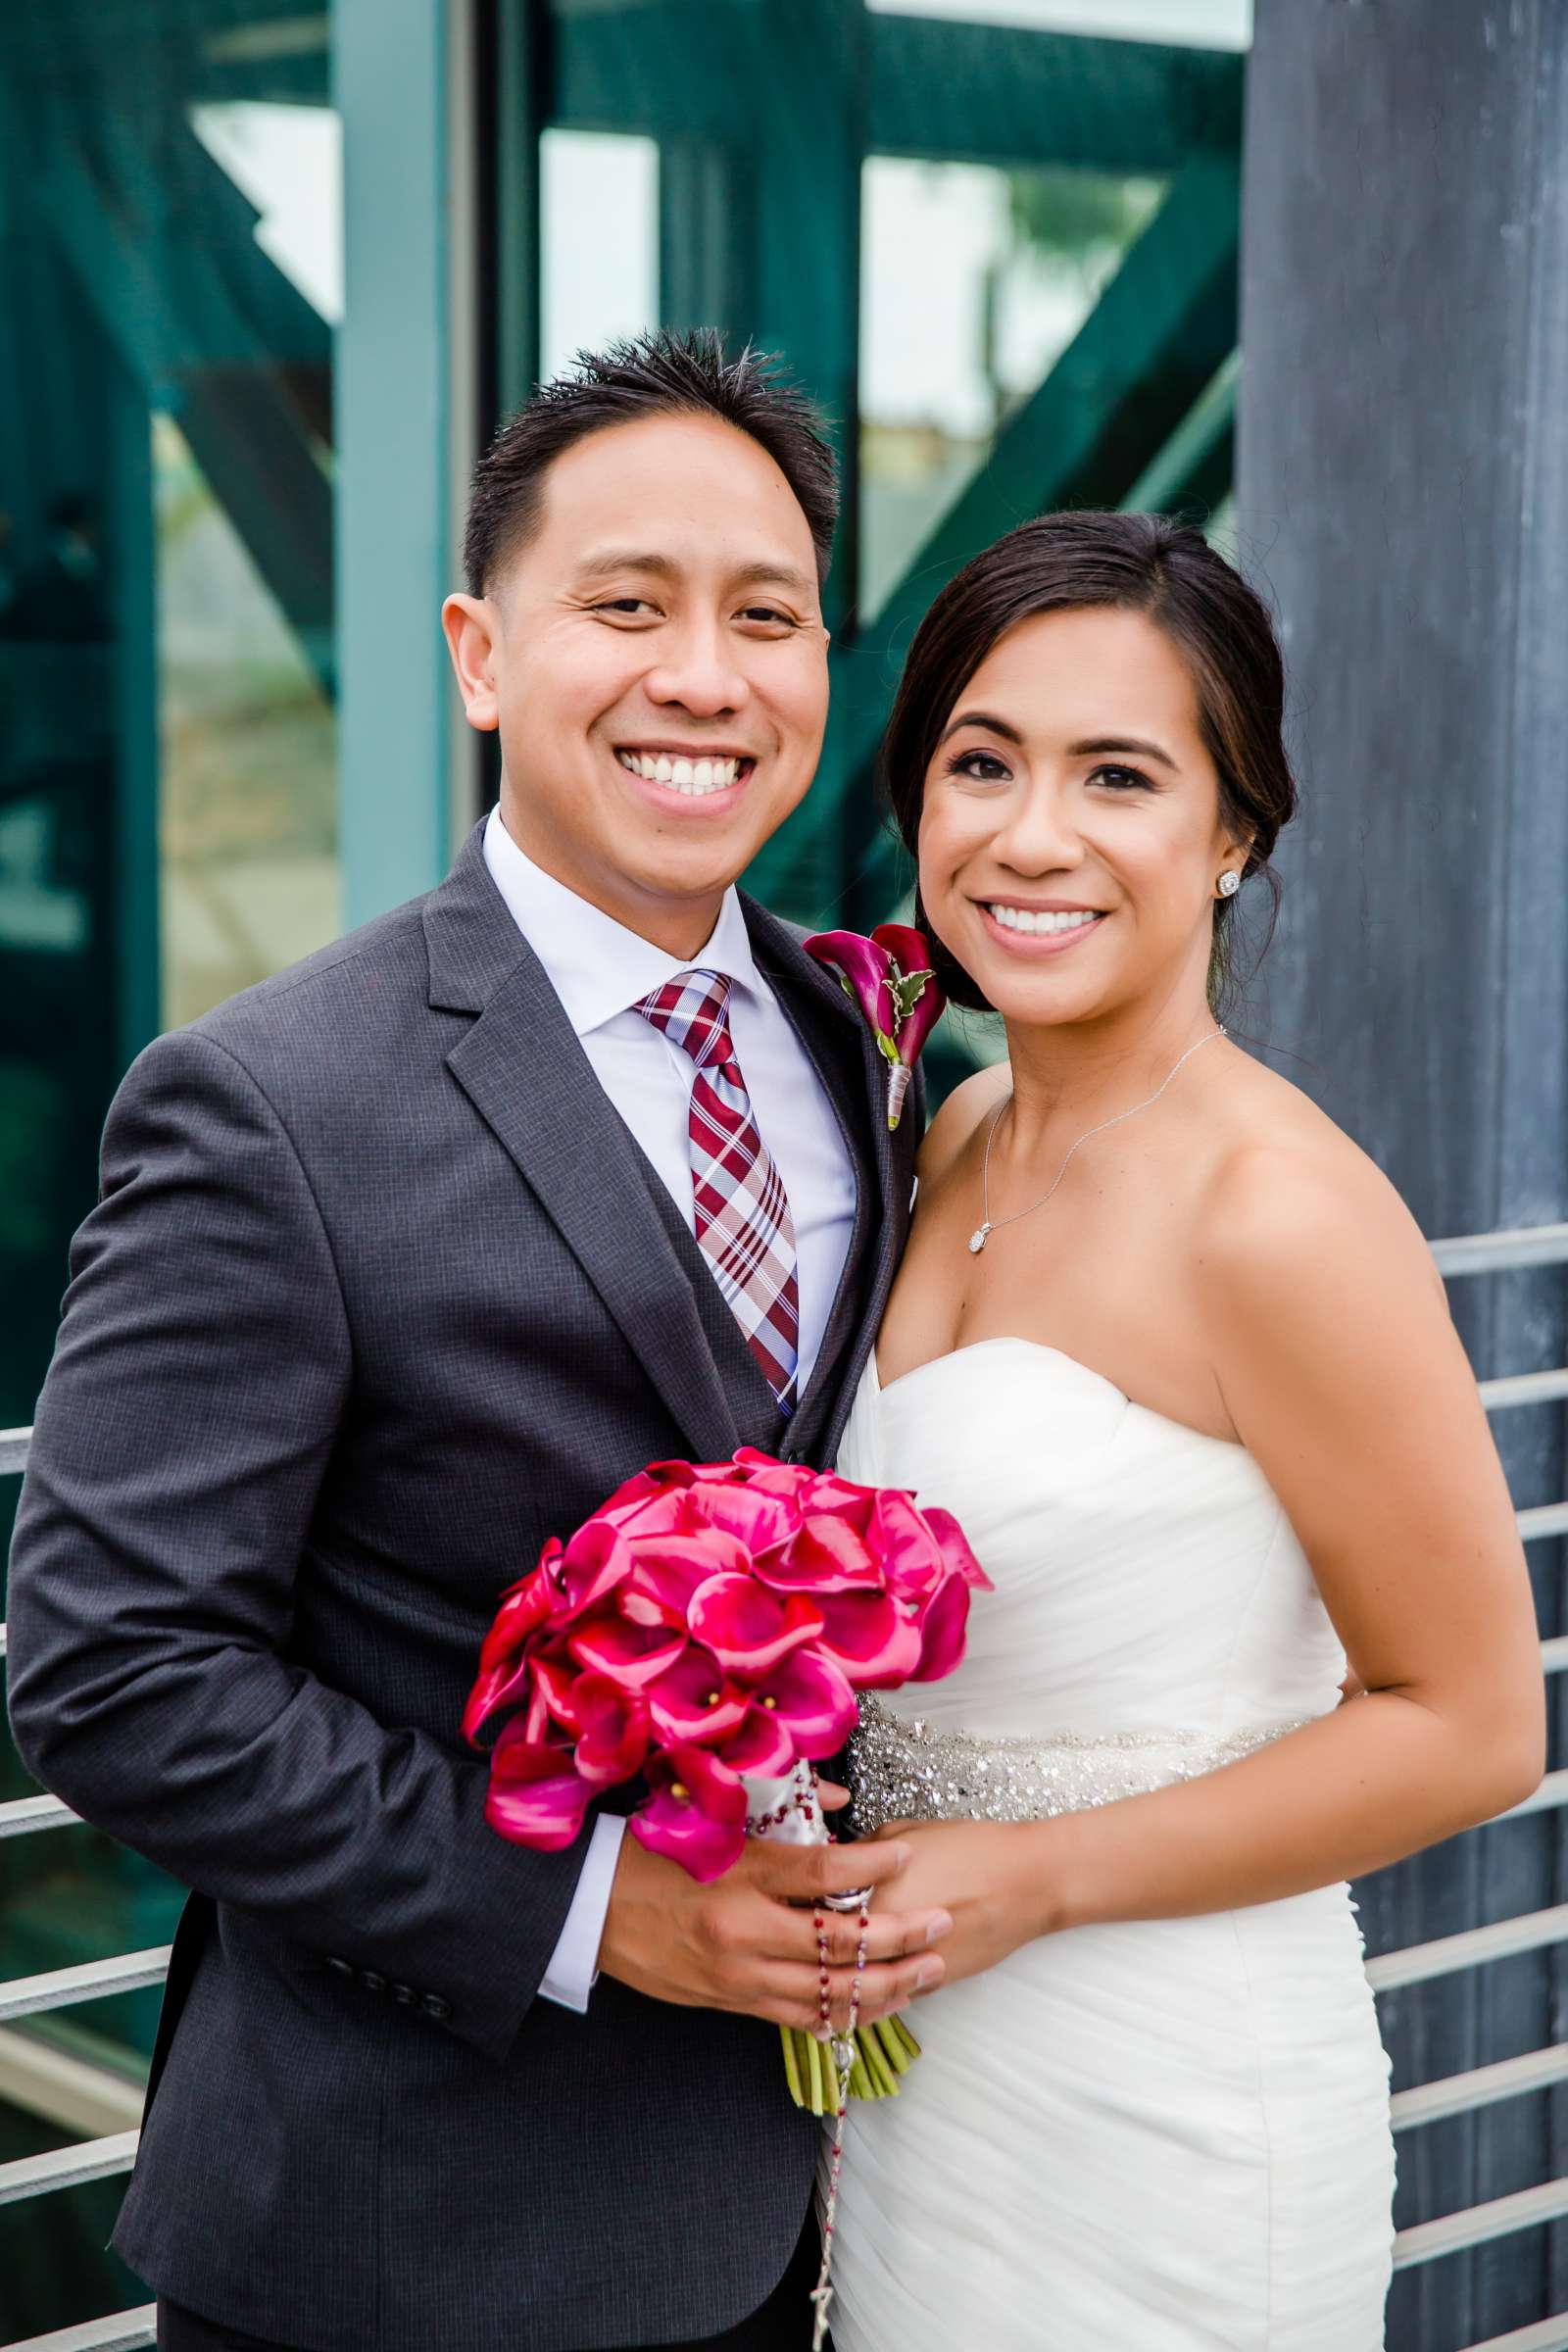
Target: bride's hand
x,y
985,1874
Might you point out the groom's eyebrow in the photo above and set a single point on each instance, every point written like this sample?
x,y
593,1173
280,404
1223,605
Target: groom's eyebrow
x,y
764,572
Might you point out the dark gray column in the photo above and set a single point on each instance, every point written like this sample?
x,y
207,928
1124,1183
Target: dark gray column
x,y
1403,497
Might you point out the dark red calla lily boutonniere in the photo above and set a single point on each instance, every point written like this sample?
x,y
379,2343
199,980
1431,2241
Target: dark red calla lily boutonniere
x,y
889,976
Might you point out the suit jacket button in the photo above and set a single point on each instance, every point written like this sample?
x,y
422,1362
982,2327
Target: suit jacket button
x,y
434,2006
341,1968
371,1981
405,1995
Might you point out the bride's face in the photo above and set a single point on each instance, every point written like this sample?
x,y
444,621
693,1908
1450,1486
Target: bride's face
x,y
1070,833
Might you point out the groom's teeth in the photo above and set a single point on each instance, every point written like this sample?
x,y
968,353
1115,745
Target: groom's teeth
x,y
689,777
1039,923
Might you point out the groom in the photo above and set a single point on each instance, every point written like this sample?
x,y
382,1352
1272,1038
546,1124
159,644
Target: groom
x,y
402,1260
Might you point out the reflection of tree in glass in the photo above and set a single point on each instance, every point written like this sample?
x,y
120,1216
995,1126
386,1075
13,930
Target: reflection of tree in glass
x,y
1064,226
1081,218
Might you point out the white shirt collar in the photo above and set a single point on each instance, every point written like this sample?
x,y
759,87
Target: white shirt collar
x,y
596,966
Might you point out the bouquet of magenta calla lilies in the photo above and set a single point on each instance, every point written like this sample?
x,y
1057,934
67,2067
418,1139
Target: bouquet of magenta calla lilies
x,y
708,1628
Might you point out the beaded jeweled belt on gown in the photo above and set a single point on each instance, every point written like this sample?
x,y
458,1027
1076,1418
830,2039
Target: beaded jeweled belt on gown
x,y
903,1769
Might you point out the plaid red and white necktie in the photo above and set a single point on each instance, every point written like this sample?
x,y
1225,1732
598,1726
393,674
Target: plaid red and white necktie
x,y
744,1226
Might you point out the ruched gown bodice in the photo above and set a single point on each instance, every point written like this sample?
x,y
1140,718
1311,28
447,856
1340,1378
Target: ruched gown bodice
x,y
1151,2135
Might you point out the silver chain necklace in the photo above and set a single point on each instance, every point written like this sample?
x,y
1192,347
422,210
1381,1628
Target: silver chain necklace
x,y
989,1225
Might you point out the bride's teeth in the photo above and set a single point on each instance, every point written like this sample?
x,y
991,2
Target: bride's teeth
x,y
1040,923
662,770
681,772
702,774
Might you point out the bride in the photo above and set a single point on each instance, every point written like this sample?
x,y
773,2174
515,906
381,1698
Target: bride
x,y
1174,1352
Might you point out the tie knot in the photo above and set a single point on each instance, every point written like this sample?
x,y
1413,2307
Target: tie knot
x,y
692,1012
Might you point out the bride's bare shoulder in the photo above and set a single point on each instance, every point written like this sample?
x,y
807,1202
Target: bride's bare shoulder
x,y
1291,1198
970,1103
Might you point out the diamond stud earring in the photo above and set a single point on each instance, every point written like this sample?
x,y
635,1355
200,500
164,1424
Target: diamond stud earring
x,y
1230,882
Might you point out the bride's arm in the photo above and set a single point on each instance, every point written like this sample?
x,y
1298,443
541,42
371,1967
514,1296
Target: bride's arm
x,y
1346,1380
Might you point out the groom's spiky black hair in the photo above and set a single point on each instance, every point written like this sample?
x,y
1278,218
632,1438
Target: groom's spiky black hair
x,y
661,374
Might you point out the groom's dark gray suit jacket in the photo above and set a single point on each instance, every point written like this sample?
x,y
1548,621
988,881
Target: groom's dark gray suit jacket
x,y
380,1293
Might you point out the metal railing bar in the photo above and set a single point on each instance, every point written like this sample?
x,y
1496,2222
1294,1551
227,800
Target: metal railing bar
x,y
24,1996
26,1814
1503,1253
1549,1798
122,2331
1523,1388
68,2168
1428,2241
1555,1654
1547,1519
83,2099
1482,2086
14,1443
1446,1955
1543,2335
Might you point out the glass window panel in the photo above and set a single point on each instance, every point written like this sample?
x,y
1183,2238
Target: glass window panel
x,y
602,284
973,281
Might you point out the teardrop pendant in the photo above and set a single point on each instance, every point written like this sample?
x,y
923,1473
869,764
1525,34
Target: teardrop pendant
x,y
978,1239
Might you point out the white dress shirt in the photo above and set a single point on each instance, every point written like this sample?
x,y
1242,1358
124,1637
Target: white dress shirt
x,y
600,970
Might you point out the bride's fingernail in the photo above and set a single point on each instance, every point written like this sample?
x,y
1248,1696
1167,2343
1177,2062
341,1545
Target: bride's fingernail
x,y
939,1926
930,1974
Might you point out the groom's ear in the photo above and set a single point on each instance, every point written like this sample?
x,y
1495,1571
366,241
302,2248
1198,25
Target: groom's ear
x,y
471,625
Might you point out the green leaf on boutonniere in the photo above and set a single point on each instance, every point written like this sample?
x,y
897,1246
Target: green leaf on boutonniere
x,y
908,988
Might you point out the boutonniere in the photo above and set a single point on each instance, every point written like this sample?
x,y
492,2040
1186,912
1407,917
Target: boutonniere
x,y
889,976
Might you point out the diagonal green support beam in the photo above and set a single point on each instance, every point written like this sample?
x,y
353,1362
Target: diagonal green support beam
x,y
1143,357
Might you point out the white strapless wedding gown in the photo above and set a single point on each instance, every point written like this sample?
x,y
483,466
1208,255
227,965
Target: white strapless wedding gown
x,y
1150,2136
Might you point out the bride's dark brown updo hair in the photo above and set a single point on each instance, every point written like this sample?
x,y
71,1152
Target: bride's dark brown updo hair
x,y
1139,564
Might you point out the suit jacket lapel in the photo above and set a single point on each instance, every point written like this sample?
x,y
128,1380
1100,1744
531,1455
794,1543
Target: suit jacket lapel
x,y
524,1071
855,1076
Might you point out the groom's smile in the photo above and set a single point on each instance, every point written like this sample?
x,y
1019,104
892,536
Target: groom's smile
x,y
651,647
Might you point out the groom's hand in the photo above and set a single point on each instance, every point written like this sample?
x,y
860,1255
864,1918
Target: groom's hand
x,y
749,1940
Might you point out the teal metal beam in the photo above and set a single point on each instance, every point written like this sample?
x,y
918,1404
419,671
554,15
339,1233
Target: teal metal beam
x,y
389,80
948,92
1194,470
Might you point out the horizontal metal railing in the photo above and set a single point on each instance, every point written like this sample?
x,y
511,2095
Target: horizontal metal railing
x,y
1417,1964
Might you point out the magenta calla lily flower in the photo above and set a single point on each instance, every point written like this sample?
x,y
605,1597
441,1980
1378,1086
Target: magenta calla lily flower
x,y
592,1565
890,977
557,1680
861,965
666,1571
613,1729
536,1796
955,1549
813,1701
628,1653
754,1521
525,1606
901,1540
696,1814
695,1699
910,952
763,1745
944,1624
747,1628
872,1636
504,1684
826,1556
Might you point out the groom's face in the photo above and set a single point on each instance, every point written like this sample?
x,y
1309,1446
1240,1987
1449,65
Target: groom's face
x,y
654,659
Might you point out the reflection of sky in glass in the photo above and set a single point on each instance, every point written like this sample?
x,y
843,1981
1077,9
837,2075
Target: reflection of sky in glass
x,y
288,159
1189,24
599,198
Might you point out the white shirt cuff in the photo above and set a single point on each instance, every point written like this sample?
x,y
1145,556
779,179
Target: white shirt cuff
x,y
574,1967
